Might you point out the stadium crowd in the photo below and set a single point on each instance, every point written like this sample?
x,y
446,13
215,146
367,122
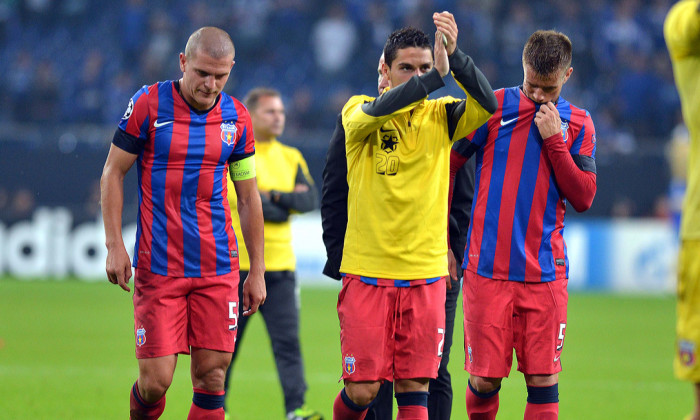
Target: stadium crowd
x,y
76,61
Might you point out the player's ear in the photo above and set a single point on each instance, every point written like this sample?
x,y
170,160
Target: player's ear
x,y
568,74
232,63
183,61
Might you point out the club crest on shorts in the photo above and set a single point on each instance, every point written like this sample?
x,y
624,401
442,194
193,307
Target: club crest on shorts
x,y
686,352
469,351
140,336
228,132
349,364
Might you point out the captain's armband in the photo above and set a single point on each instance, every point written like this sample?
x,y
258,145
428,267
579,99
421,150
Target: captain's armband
x,y
243,169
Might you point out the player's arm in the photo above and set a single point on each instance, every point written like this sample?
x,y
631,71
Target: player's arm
x,y
304,197
118,163
242,174
334,201
463,116
575,174
682,29
363,115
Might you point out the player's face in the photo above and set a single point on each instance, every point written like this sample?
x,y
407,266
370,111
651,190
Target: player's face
x,y
268,118
203,78
542,89
409,62
382,81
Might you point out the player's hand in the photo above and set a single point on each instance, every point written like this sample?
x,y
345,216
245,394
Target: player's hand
x,y
547,120
254,293
451,268
118,266
446,24
442,63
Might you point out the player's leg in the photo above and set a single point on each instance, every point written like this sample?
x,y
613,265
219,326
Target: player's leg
x,y
420,339
365,312
242,321
539,329
147,399
488,341
208,371
685,363
382,407
213,318
440,398
160,325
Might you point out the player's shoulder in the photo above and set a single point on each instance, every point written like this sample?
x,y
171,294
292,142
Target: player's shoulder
x,y
358,100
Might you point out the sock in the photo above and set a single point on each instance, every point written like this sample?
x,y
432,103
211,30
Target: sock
x,y
140,410
482,406
345,409
412,405
542,403
207,405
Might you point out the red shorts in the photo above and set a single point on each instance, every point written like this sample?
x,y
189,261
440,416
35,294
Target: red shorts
x,y
391,332
172,314
502,315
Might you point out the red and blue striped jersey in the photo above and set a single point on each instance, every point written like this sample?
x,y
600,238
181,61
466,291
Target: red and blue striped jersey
x,y
517,225
184,219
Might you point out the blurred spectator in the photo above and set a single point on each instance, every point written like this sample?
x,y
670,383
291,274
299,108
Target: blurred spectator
x,y
333,40
22,205
45,94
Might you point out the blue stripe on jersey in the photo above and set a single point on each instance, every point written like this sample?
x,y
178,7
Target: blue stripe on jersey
x,y
369,280
479,156
189,195
161,147
546,257
218,212
523,207
493,204
402,283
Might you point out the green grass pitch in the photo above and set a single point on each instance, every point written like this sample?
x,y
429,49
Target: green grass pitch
x,y
67,352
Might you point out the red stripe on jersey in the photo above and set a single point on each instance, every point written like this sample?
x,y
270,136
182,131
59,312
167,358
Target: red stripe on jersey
x,y
511,182
533,236
479,214
146,209
205,185
173,185
558,246
588,142
244,124
141,111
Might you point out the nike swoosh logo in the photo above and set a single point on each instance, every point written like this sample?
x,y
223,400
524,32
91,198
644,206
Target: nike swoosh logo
x,y
507,122
156,124
386,131
555,359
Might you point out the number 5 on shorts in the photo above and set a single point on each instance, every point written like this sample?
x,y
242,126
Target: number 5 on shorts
x,y
233,314
441,331
562,327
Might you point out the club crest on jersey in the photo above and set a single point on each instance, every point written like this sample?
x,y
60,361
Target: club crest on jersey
x,y
389,143
686,352
565,130
349,364
129,109
140,336
228,133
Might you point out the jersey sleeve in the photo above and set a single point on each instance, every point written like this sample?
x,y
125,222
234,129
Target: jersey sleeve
x,y
682,29
245,146
466,115
584,146
362,114
132,132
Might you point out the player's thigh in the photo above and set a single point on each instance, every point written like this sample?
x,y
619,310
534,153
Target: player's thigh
x,y
160,314
419,331
213,312
540,326
156,374
488,325
688,312
208,368
364,312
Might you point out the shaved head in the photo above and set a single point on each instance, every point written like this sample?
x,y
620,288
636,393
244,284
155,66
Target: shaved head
x,y
212,41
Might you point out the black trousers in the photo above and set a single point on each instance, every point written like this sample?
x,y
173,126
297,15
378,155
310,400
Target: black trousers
x,y
281,315
440,399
